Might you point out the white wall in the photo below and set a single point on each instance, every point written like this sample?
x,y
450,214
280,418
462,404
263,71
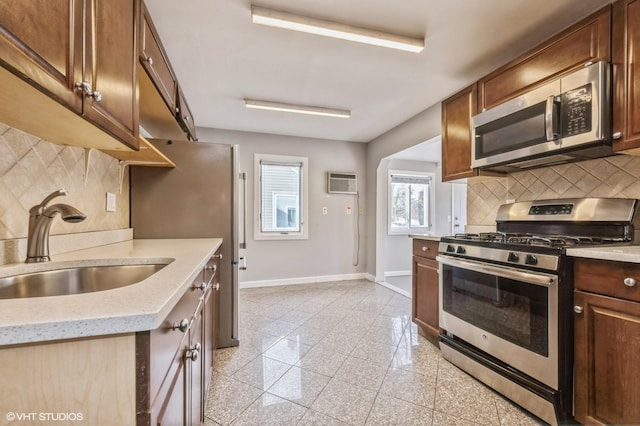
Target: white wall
x,y
396,249
422,127
329,251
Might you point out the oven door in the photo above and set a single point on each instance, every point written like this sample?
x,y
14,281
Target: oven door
x,y
508,313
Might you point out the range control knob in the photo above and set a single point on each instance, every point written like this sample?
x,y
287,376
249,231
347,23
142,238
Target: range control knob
x,y
531,260
451,249
513,257
461,250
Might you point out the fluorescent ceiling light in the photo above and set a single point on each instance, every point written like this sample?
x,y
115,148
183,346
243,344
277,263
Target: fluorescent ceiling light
x,y
260,15
300,109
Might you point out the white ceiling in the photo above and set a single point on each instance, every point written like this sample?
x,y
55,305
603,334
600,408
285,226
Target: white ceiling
x,y
220,58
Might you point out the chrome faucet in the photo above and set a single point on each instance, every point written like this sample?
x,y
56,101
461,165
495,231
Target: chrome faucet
x,y
40,219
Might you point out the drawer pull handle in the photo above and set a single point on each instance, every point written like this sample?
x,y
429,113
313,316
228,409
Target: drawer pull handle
x,y
577,309
201,286
630,282
193,352
425,248
182,325
211,268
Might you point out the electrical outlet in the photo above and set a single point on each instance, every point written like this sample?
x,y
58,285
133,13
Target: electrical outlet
x,y
325,210
111,202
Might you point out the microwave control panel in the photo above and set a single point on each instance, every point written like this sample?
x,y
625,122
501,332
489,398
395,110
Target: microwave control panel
x,y
575,111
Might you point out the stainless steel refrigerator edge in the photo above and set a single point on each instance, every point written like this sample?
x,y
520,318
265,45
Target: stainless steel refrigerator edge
x,y
199,198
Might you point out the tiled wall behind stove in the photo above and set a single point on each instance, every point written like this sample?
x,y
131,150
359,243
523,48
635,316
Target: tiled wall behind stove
x,y
616,177
31,168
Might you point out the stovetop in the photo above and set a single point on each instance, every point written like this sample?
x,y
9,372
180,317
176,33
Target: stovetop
x,y
535,240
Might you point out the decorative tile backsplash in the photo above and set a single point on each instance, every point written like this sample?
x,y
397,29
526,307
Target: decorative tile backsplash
x,y
31,168
615,177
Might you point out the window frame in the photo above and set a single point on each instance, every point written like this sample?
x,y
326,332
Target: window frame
x,y
258,233
430,198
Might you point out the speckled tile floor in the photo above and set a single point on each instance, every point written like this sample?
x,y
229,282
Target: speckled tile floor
x,y
343,353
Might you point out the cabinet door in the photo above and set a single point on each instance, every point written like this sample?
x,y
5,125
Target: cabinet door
x,y
425,296
626,79
111,67
195,409
586,41
456,134
209,333
41,41
154,61
607,355
185,117
173,410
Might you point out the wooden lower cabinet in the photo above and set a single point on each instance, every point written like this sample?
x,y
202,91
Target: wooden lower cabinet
x,y
424,297
174,361
607,343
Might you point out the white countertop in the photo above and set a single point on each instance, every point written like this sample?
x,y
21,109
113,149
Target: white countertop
x,y
428,237
616,253
138,307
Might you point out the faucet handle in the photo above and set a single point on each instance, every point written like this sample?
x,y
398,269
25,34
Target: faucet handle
x,y
53,195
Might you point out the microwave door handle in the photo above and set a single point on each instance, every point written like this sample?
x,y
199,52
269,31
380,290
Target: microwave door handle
x,y
551,119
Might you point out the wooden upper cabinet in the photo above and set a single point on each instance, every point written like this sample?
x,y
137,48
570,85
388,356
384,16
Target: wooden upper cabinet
x,y
185,117
80,54
155,62
113,72
626,87
456,134
586,41
41,40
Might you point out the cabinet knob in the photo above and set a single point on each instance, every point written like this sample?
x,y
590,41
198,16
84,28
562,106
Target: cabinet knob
x,y
211,267
202,286
183,325
630,282
149,60
88,91
217,256
425,248
193,352
216,287
617,135
577,309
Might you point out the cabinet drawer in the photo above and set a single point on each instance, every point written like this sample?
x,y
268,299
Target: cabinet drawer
x,y
608,278
212,269
165,341
425,248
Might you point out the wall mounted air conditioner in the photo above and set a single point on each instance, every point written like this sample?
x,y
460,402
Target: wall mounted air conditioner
x,y
342,183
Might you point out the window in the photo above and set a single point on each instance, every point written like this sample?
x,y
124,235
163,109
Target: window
x,y
409,202
280,197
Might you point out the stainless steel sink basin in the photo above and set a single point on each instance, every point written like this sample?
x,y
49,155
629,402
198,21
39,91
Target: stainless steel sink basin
x,y
60,282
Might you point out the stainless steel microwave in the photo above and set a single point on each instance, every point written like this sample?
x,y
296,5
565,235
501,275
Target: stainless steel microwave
x,y
566,120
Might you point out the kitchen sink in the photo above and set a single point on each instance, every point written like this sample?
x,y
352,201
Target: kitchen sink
x,y
59,282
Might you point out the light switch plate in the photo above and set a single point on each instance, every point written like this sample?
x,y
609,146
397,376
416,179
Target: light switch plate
x,y
111,202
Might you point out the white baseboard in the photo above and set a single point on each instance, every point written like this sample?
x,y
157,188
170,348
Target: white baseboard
x,y
394,288
305,280
370,277
397,274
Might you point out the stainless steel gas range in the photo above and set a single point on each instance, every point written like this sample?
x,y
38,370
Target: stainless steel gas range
x,y
506,298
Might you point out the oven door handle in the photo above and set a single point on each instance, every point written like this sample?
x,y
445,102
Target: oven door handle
x,y
545,280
